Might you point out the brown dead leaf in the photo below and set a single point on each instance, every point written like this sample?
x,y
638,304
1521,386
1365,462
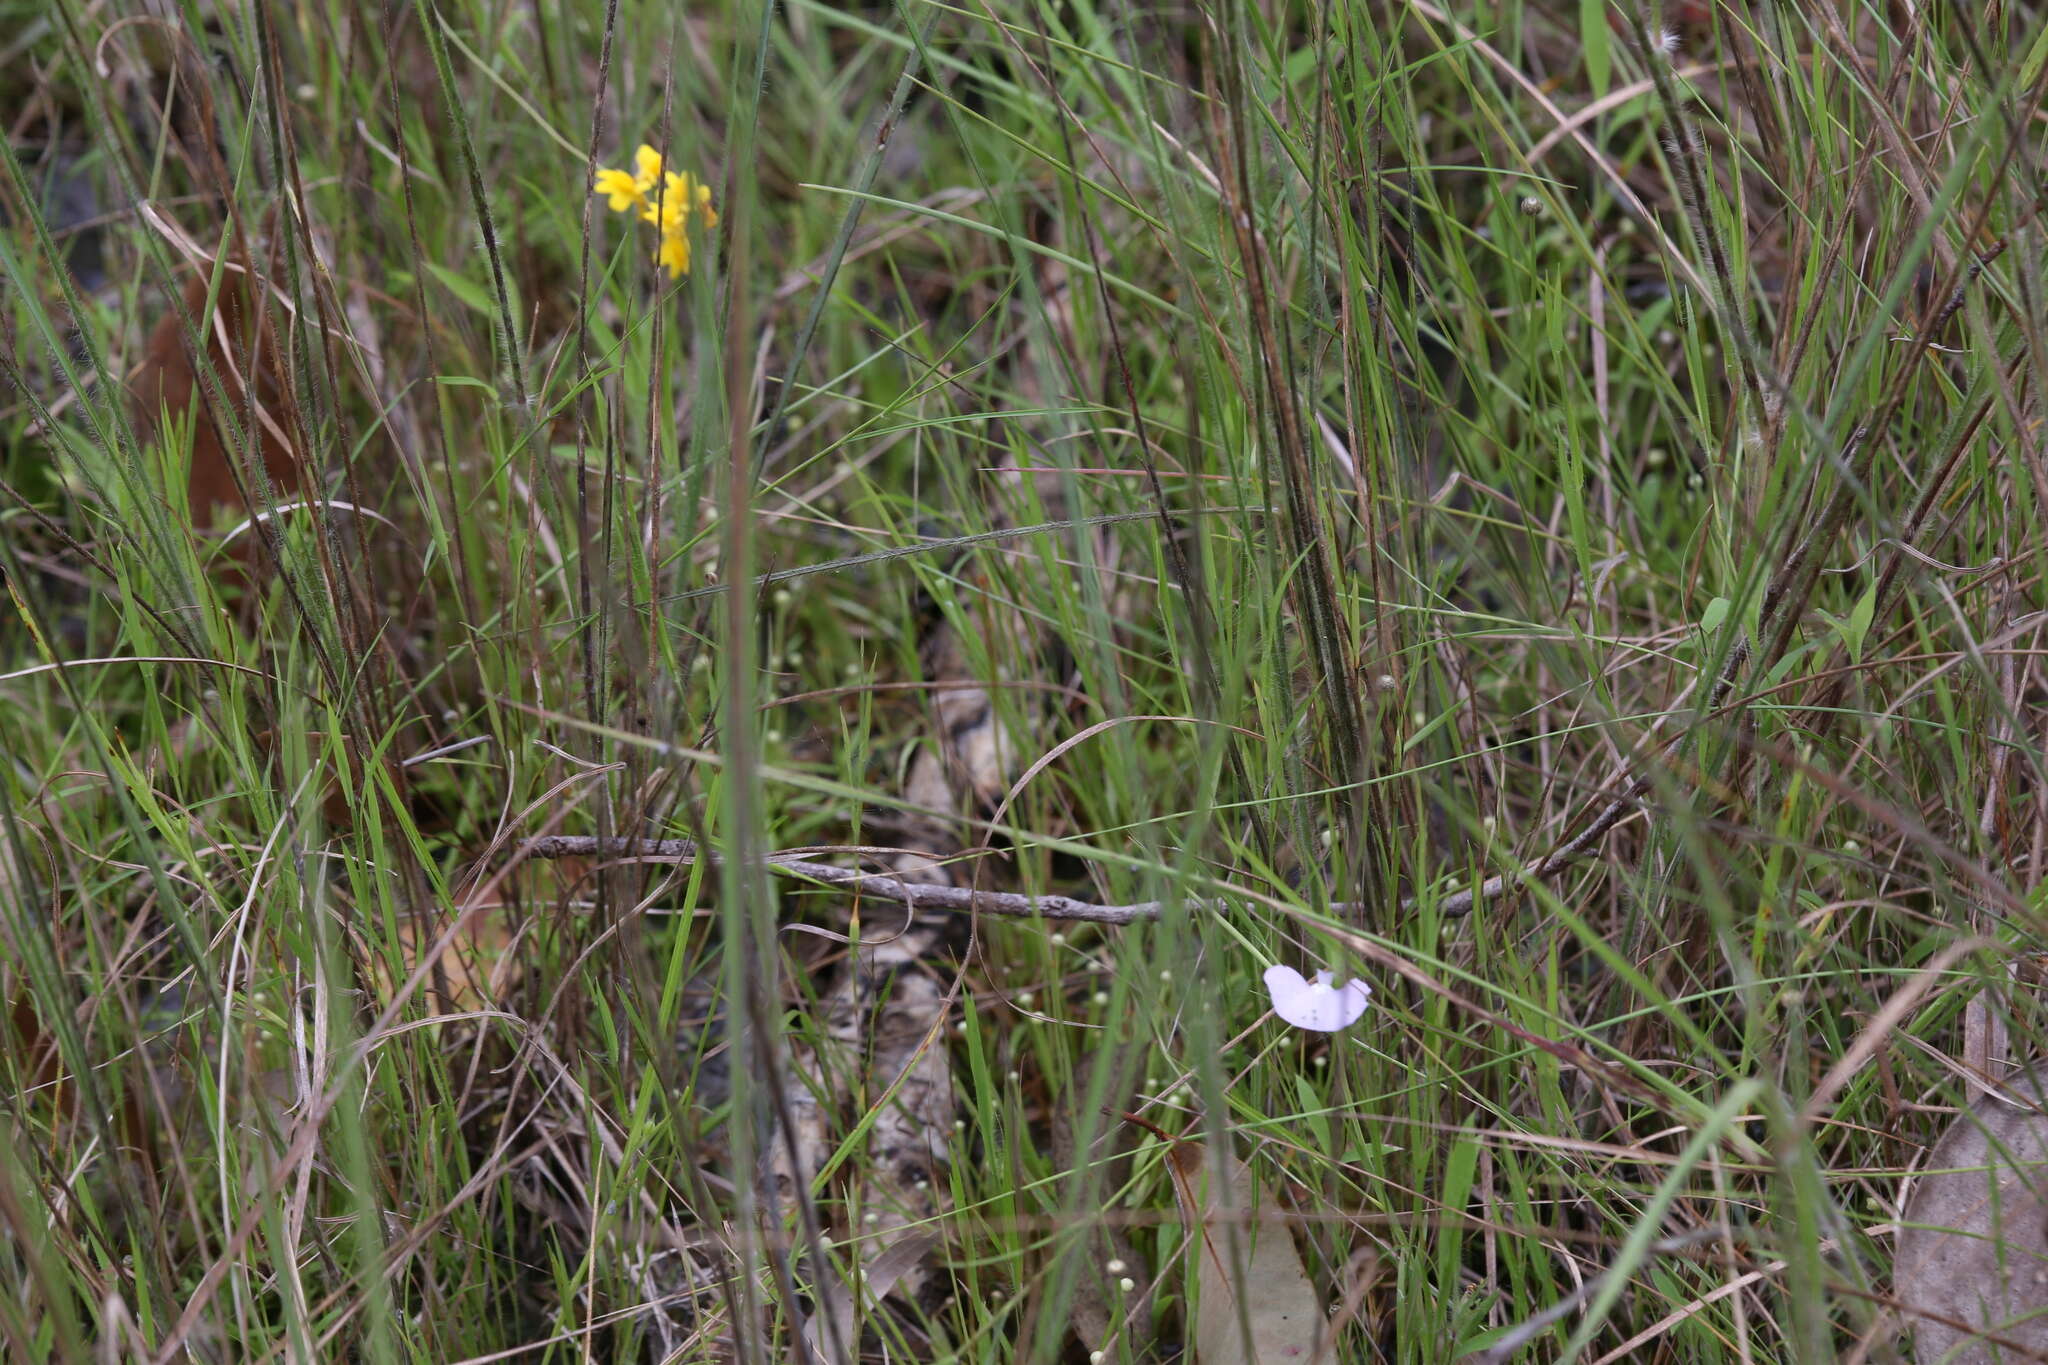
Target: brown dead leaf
x,y
239,345
476,959
1972,1263
1269,1313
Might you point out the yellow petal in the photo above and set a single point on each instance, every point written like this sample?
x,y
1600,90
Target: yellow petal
x,y
646,167
675,254
667,215
618,188
677,195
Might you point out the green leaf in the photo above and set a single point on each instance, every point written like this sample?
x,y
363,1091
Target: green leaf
x,y
472,294
1858,625
1781,669
1596,39
1456,1191
2030,68
1715,614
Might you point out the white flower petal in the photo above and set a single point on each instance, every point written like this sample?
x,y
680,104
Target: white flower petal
x,y
1318,1004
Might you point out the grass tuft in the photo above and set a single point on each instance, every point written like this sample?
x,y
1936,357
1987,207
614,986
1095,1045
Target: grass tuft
x,y
1539,507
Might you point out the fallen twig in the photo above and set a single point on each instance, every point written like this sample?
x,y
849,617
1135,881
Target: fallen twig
x,y
922,896
917,895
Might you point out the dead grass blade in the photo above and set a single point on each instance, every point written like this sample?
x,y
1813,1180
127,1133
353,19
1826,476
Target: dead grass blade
x,y
1256,1305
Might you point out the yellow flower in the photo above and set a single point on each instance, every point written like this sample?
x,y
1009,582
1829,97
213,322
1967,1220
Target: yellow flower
x,y
620,191
646,167
675,254
627,189
681,194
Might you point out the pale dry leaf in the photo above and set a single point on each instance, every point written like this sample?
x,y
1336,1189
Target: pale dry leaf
x,y
1269,1313
834,1320
1973,1241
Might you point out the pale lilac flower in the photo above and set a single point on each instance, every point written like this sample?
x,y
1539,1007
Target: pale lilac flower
x,y
1319,1004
